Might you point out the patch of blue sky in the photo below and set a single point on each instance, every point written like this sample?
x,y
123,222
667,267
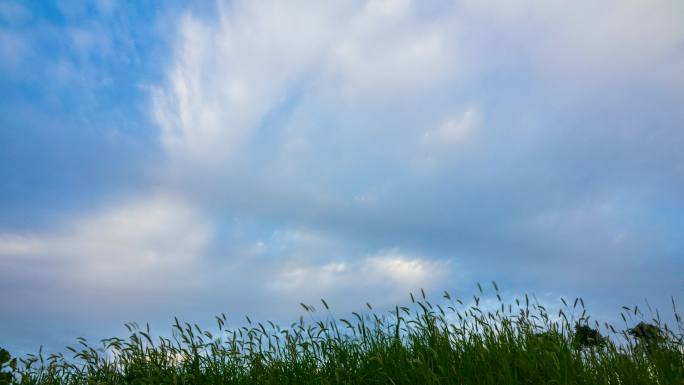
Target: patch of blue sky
x,y
73,116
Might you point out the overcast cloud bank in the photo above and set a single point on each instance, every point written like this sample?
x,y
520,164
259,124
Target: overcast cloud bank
x,y
272,153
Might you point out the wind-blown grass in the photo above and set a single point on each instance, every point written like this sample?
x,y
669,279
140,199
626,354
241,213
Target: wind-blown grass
x,y
445,342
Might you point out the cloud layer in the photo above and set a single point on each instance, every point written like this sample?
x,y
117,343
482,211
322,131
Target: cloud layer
x,y
359,150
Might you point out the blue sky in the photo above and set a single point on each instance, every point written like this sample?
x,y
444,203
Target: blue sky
x,y
242,157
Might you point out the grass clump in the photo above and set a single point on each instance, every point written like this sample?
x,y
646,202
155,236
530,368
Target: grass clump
x,y
446,342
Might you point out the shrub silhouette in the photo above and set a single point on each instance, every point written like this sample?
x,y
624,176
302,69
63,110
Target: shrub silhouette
x,y
587,337
7,367
647,334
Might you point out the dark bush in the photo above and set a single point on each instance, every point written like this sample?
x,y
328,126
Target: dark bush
x,y
647,334
8,366
587,337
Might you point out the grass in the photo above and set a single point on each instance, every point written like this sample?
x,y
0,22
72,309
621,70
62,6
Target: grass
x,y
445,342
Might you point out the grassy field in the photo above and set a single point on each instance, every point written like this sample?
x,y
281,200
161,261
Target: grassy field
x,y
442,342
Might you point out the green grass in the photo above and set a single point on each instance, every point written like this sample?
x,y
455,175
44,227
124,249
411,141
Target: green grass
x,y
445,342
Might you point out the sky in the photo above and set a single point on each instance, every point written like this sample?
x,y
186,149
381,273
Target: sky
x,y
162,159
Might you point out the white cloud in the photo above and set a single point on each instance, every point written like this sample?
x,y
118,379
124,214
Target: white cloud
x,y
405,270
390,272
18,245
387,50
454,129
145,238
582,43
440,146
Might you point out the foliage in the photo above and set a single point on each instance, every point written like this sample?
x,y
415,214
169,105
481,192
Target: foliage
x,y
587,337
8,366
647,334
445,342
